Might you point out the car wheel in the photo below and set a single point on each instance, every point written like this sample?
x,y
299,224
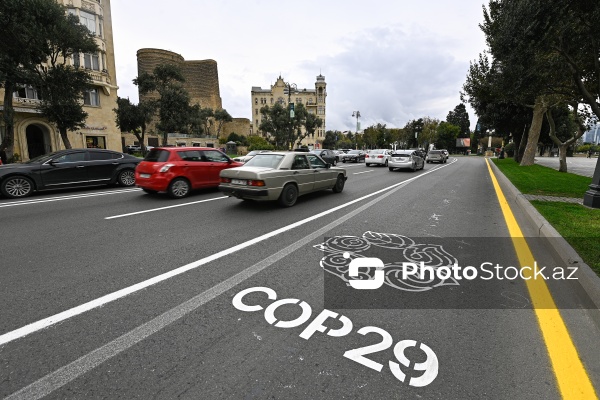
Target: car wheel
x,y
339,184
178,188
386,163
150,191
367,165
126,177
344,161
17,186
391,169
289,195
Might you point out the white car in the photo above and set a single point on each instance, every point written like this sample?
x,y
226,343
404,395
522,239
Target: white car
x,y
249,156
406,159
378,157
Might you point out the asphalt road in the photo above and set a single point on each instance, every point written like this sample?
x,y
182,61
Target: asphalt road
x,y
112,293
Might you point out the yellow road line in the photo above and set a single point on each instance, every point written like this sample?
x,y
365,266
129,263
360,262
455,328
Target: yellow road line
x,y
571,376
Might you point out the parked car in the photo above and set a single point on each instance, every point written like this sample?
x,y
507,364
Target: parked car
x,y
436,156
281,176
248,156
378,157
130,149
328,155
446,153
179,170
406,159
67,169
354,156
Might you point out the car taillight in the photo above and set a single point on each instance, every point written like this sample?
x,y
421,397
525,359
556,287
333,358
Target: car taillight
x,y
366,156
379,156
166,167
225,180
256,183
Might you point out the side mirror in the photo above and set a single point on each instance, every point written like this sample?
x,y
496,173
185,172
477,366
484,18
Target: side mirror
x,y
327,165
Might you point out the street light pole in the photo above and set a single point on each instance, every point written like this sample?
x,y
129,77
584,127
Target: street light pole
x,y
290,104
357,115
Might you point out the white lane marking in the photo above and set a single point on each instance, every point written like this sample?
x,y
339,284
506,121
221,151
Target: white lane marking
x,y
68,197
101,301
363,172
54,380
166,207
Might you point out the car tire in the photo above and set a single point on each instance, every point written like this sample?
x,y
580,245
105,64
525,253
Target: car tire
x,y
367,165
339,184
17,187
344,161
390,168
386,163
179,188
150,191
288,195
126,178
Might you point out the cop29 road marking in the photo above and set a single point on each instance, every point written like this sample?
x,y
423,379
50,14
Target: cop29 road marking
x,y
54,380
67,197
101,301
166,207
571,376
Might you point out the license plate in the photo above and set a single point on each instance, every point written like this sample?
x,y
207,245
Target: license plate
x,y
145,176
238,181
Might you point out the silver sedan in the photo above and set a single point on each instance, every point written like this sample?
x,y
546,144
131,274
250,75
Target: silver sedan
x,y
281,176
406,159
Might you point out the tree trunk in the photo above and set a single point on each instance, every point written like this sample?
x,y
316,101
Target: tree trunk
x,y
165,139
8,114
539,110
521,150
562,155
65,138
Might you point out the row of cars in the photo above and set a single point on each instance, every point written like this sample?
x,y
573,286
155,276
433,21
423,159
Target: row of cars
x,y
281,176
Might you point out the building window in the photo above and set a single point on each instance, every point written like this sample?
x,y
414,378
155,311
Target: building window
x,y
76,60
298,100
27,92
272,100
256,100
320,98
88,20
95,142
320,110
100,29
280,100
91,97
91,61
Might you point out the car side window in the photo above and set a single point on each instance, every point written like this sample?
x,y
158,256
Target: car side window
x,y
215,156
100,155
190,155
316,162
300,162
71,157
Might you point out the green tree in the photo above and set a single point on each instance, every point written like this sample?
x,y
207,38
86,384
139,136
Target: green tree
x,y
256,142
34,32
221,116
447,134
173,101
311,124
135,118
460,118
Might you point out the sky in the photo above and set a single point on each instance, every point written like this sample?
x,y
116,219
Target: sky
x,y
392,60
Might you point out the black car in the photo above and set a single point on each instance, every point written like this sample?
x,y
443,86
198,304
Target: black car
x,y
327,155
67,169
354,156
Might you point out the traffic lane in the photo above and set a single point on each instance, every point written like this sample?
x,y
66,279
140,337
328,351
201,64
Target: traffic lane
x,y
43,281
39,344
297,283
221,352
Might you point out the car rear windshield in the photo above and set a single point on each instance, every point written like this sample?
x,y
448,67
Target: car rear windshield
x,y
401,155
265,160
434,152
157,155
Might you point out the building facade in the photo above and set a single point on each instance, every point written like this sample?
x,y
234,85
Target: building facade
x,y
314,100
34,135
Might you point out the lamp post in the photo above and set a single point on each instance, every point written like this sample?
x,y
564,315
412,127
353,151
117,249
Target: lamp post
x,y
357,115
291,86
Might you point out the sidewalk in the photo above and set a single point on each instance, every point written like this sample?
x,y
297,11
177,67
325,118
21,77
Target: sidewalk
x,y
575,165
553,198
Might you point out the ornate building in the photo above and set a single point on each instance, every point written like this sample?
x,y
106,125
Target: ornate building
x,y
313,99
34,135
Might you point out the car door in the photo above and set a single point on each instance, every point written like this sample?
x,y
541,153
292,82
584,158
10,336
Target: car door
x,y
215,162
322,174
194,167
65,170
303,174
101,166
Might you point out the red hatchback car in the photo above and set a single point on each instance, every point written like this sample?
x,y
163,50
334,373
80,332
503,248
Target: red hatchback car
x,y
178,170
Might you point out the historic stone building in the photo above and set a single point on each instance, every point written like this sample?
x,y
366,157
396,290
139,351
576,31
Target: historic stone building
x,y
202,84
313,99
34,135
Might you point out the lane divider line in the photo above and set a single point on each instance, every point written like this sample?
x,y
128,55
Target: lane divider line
x,y
166,207
68,197
571,376
101,301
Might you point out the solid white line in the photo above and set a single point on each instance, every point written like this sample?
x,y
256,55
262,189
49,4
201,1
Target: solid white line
x,y
101,301
165,208
68,197
364,172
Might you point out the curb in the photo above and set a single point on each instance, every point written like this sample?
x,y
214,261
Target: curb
x,y
561,249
